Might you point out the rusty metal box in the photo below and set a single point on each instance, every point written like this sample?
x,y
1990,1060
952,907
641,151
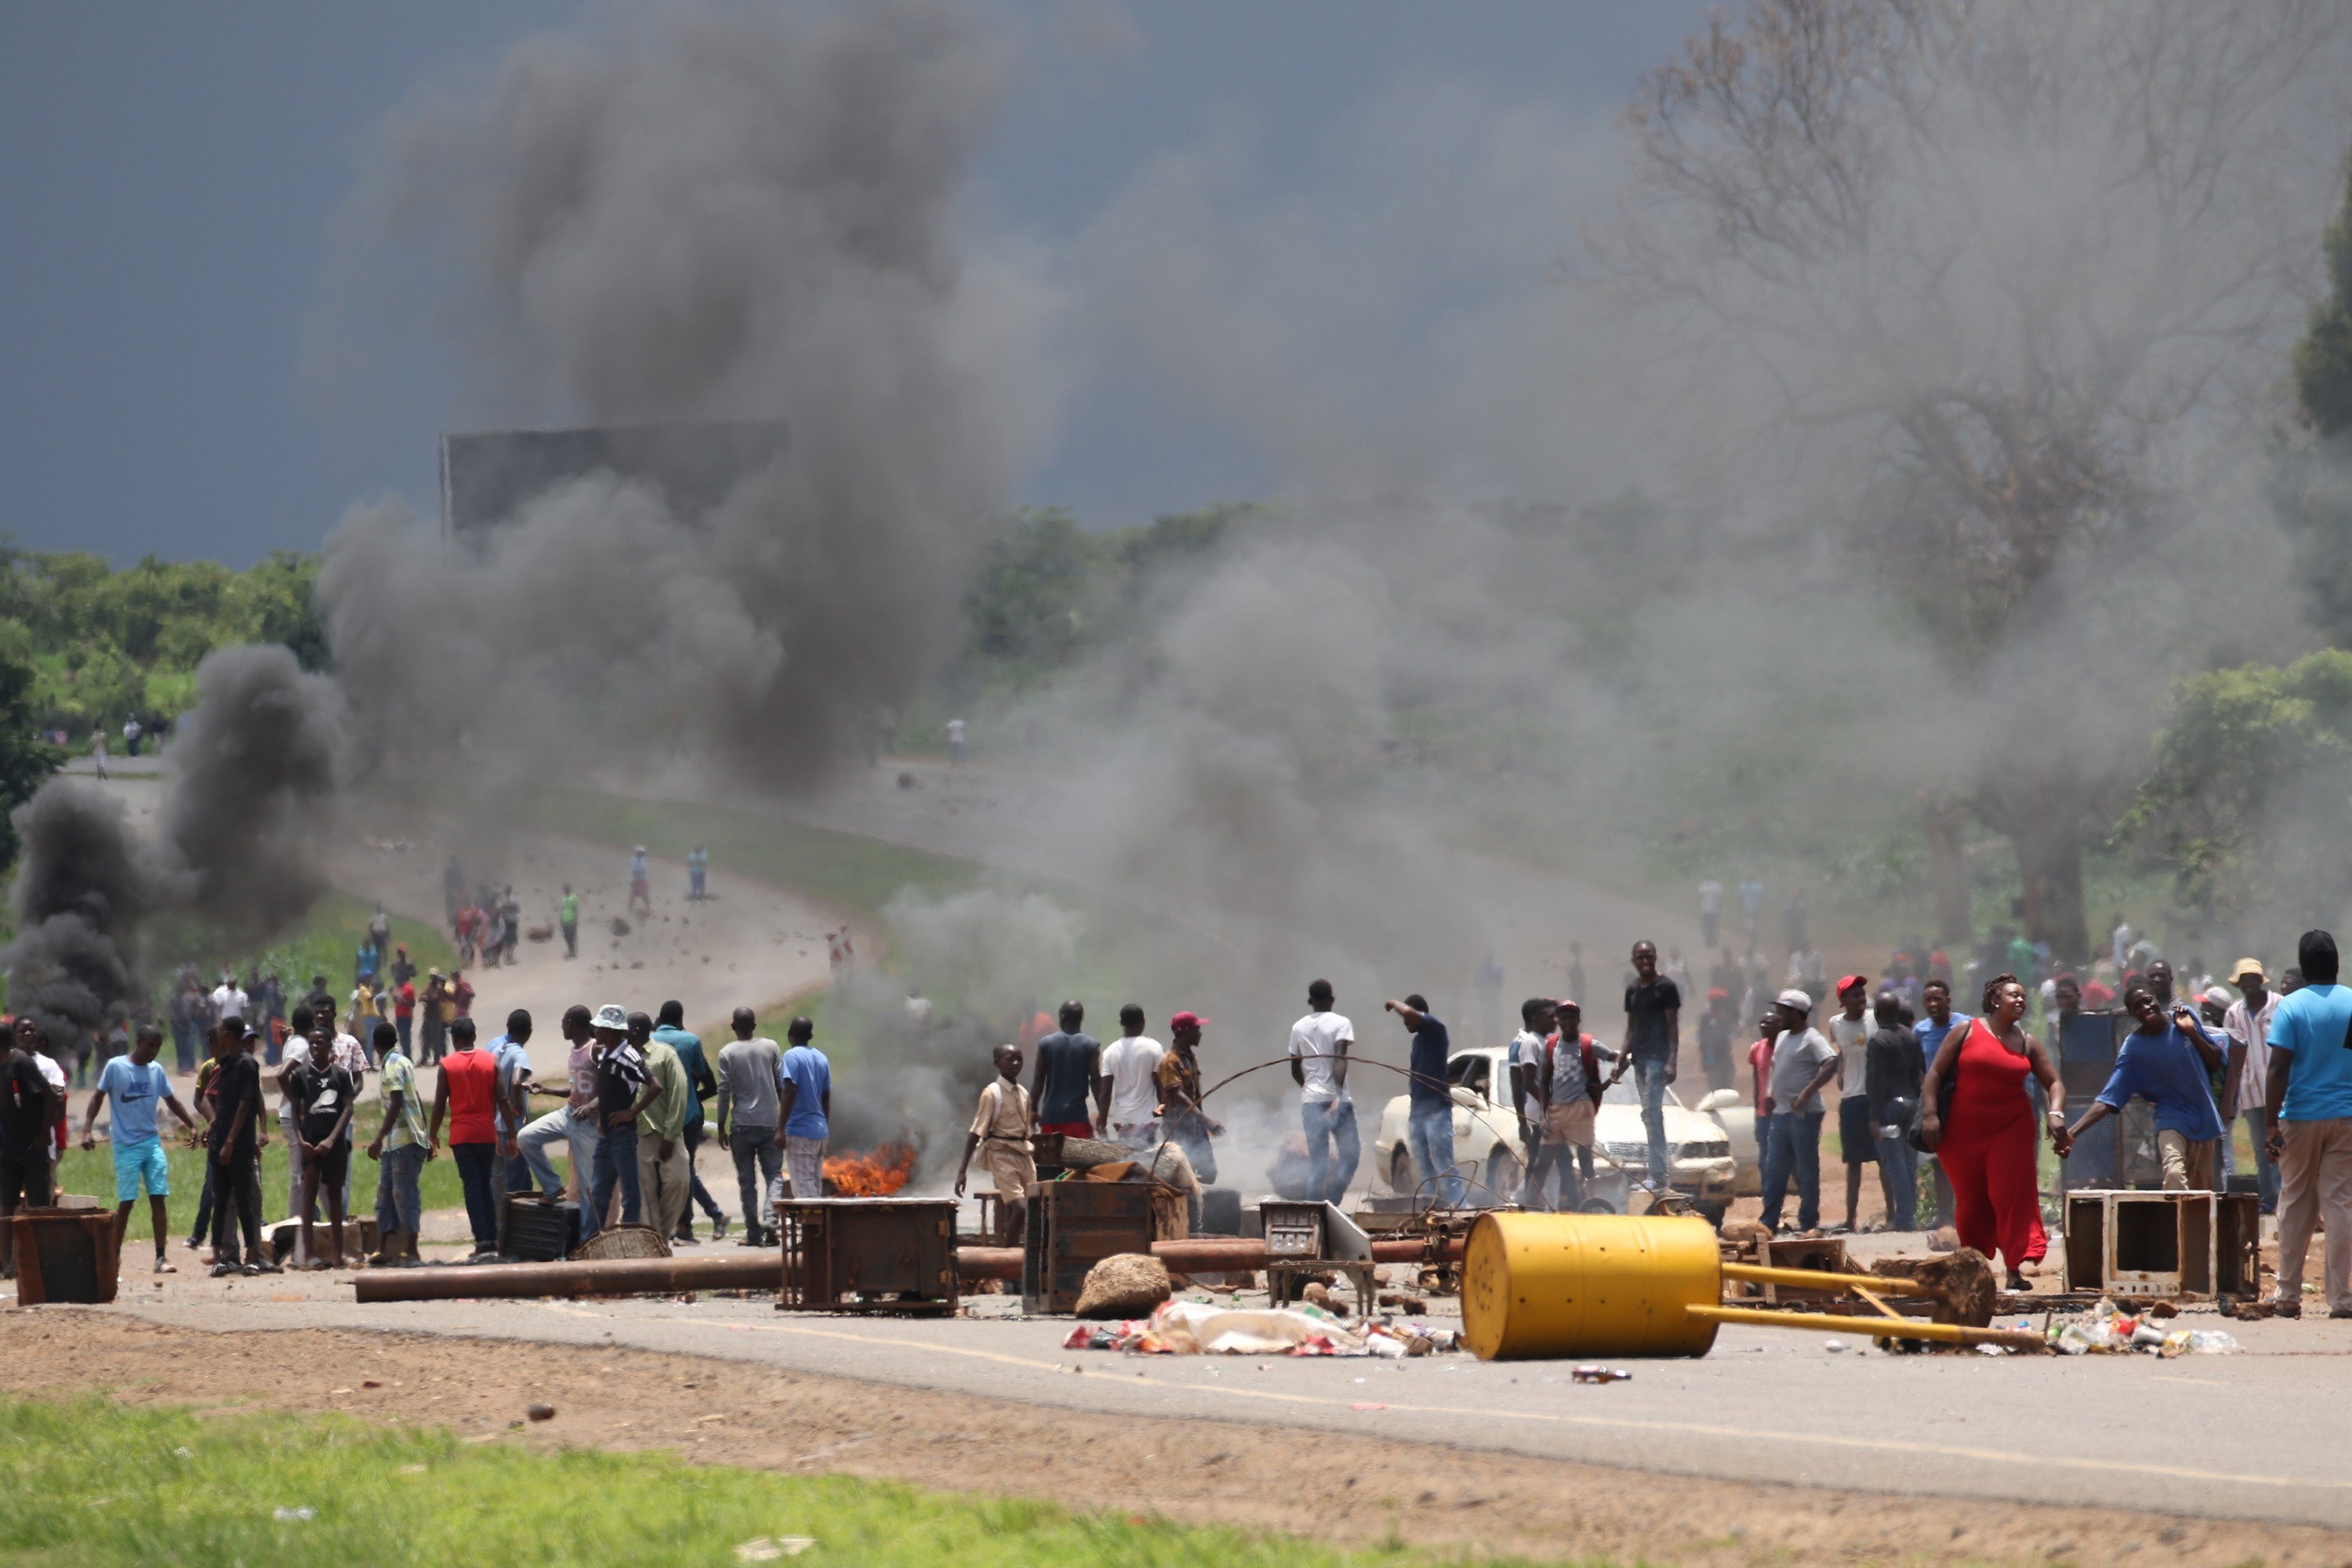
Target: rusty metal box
x,y
1072,1225
65,1255
868,1255
2142,1246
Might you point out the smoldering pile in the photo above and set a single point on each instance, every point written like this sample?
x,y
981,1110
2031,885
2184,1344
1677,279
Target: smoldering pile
x,y
235,859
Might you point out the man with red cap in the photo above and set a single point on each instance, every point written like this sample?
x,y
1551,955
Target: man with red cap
x,y
1183,1121
1850,1029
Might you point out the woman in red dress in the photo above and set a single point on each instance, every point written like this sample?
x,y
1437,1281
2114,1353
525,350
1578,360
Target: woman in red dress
x,y
1985,1139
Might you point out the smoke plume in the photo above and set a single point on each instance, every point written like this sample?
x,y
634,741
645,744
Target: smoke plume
x,y
235,858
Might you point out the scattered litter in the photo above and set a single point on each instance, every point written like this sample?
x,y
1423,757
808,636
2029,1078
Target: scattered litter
x,y
1835,1347
2106,1331
1365,1405
1600,1374
1993,1349
541,1412
296,1515
369,1383
768,1548
182,1454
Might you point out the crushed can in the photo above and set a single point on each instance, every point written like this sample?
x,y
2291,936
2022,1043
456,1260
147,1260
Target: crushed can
x,y
1600,1374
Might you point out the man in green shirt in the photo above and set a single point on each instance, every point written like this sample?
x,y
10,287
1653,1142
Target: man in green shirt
x,y
399,1147
663,1173
567,915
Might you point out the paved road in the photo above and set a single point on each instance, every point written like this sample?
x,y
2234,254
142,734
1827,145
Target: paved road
x,y
2256,1436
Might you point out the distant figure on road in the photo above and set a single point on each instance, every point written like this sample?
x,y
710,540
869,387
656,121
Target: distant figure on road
x,y
1319,1043
97,750
955,742
1710,911
697,872
641,881
567,915
131,731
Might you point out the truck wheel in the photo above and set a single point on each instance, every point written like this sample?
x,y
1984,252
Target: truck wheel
x,y
1501,1176
1401,1177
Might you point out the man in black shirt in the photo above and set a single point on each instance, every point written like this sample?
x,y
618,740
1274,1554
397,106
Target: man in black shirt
x,y
1654,1040
1893,1067
29,1109
1070,1069
323,1094
236,1152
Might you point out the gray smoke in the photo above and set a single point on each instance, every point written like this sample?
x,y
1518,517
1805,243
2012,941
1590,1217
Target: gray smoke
x,y
716,215
234,861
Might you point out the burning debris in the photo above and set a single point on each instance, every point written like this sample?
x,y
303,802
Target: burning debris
x,y
874,1174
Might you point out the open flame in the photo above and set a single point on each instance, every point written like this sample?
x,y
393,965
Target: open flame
x,y
871,1175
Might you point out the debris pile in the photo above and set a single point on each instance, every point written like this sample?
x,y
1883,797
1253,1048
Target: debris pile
x,y
2106,1331
1202,1328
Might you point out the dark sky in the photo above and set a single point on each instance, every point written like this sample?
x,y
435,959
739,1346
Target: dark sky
x,y
171,173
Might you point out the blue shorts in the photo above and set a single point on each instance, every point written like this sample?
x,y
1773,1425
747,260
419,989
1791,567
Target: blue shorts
x,y
142,1160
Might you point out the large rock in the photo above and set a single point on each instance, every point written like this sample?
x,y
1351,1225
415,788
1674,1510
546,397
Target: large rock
x,y
1127,1285
1962,1281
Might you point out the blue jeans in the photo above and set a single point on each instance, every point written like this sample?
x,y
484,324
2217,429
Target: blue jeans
x,y
617,1160
1795,1148
1650,1078
1431,1132
478,1168
399,1205
1332,1121
1898,1168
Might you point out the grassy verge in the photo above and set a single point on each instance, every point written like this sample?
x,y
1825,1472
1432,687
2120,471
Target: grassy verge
x,y
92,1483
329,945
91,1171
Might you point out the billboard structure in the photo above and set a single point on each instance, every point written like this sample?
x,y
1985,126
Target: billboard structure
x,y
486,476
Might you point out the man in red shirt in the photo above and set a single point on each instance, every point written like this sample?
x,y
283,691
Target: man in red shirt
x,y
404,1011
467,1095
1759,1066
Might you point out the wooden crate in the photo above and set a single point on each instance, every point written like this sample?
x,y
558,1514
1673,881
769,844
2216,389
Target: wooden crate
x,y
868,1255
1072,1225
65,1255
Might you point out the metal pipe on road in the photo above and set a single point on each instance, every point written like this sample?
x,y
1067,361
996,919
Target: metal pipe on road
x,y
758,1270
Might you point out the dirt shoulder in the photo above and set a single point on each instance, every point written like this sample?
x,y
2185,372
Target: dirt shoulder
x,y
1336,1489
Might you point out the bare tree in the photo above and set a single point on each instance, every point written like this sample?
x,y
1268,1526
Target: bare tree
x,y
1998,270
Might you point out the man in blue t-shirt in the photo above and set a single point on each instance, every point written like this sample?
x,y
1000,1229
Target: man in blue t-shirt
x,y
804,1106
133,1086
2167,1062
1429,1124
2309,1100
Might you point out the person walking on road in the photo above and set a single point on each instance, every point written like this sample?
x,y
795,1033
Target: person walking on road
x,y
1069,1073
750,1074
1319,1044
804,1101
641,883
2245,1080
1803,1064
567,916
1849,1029
132,1087
663,1175
1131,1063
1987,1144
2308,1096
623,1091
1000,1135
672,1032
234,1149
1654,1041
468,1097
698,873
399,1148
1429,1126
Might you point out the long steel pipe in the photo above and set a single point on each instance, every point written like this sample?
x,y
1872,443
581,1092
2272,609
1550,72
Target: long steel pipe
x,y
756,1271
765,1270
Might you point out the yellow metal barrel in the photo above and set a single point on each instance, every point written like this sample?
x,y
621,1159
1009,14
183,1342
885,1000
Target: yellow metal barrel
x,y
1540,1285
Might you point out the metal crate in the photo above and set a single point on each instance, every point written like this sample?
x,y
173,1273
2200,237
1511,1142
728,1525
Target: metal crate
x,y
2146,1246
65,1255
868,1255
1072,1225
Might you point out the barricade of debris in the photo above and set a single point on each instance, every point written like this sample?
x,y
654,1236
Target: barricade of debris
x,y
1204,1328
2106,1330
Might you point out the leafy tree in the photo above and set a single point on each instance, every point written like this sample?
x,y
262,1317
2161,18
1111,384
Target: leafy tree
x,y
2311,483
1988,267
24,758
2250,802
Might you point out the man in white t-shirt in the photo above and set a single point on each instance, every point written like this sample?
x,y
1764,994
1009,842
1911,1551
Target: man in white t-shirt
x,y
2244,1081
1849,1029
1131,1062
229,1000
1318,1065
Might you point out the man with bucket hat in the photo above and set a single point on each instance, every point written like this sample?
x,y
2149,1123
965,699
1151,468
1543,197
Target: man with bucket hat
x,y
623,1090
2247,1022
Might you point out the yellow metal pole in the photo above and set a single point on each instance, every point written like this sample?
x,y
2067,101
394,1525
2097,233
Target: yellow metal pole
x,y
1875,1328
1823,1279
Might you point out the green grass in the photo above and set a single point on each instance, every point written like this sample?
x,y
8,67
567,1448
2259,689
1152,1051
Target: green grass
x,y
92,1483
92,1172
